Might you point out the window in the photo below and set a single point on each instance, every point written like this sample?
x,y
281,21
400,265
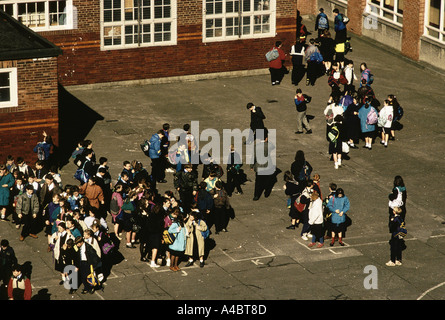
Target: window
x,y
388,10
138,23
8,88
234,19
434,20
41,15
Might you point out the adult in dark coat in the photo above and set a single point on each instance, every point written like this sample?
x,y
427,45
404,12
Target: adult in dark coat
x,y
256,121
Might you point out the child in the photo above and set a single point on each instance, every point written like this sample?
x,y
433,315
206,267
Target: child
x,y
19,287
396,241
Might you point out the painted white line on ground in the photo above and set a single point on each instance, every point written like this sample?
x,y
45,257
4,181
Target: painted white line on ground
x,y
429,290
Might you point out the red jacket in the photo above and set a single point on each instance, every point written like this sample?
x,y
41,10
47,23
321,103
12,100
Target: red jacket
x,y
278,63
27,285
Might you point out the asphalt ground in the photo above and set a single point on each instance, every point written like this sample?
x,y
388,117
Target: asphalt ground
x,y
259,259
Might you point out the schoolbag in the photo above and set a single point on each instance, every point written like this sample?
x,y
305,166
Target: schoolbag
x,y
333,134
145,146
345,19
114,207
40,153
323,22
205,234
273,54
372,117
305,173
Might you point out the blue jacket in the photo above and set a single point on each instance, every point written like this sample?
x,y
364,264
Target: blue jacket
x,y
155,147
46,148
363,115
340,203
181,237
339,24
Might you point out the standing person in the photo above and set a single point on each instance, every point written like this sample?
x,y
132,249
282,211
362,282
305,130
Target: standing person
x,y
6,183
327,49
292,190
332,110
338,205
128,214
256,121
340,26
165,144
177,248
305,199
301,100
397,198
396,241
301,169
59,241
352,122
386,116
27,209
221,205
87,261
195,228
155,229
336,79
43,148
186,184
19,286
314,61
157,170
365,75
115,207
8,260
398,114
93,193
350,76
276,66
336,137
321,22
368,116
316,220
234,165
263,174
297,55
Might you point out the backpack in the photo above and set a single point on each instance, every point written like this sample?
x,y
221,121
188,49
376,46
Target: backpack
x,y
316,56
333,134
206,233
273,54
40,153
345,19
305,173
114,207
298,205
372,117
168,237
145,146
323,22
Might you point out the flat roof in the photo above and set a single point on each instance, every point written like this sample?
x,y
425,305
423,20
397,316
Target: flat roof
x,y
20,42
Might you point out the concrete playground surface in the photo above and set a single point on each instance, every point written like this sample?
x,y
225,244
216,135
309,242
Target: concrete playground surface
x,y
259,259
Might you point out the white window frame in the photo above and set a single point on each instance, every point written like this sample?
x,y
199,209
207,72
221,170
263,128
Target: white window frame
x,y
45,16
378,10
120,27
13,89
252,14
427,27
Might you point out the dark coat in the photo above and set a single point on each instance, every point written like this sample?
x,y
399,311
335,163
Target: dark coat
x,y
256,119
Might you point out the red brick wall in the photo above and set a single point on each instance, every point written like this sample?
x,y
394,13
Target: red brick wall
x,y
355,12
413,20
21,127
83,62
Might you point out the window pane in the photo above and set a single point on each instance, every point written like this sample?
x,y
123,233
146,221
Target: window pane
x,y
5,94
260,5
232,6
400,6
4,79
435,14
246,5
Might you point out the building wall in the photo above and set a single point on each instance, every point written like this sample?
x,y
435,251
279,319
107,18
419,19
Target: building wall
x,y
21,127
83,62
